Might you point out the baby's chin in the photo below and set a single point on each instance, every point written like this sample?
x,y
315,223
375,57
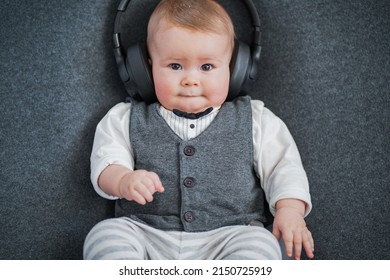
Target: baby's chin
x,y
188,108
194,107
190,103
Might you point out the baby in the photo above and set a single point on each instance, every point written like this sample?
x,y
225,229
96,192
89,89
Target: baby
x,y
191,173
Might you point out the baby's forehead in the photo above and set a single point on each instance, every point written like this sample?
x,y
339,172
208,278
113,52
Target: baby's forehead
x,y
175,35
163,25
157,28
166,22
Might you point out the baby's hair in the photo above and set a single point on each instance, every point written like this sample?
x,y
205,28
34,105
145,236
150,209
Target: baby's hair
x,y
197,15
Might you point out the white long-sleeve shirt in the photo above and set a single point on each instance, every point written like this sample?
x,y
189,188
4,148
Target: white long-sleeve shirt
x,y
276,158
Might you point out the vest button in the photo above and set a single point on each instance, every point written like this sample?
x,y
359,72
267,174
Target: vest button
x,y
189,182
189,217
189,151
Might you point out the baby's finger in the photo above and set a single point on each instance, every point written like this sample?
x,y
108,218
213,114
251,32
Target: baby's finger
x,y
288,242
137,197
276,232
146,191
158,187
308,244
297,245
148,184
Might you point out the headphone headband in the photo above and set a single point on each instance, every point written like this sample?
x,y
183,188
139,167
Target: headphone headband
x,y
244,59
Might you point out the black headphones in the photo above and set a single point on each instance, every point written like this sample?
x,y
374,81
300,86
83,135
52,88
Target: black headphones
x,y
135,70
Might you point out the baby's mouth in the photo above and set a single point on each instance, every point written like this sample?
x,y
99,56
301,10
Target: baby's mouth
x,y
189,94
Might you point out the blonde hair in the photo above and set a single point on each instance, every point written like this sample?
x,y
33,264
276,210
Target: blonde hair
x,y
197,15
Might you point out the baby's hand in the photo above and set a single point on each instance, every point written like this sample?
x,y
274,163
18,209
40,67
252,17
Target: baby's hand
x,y
290,224
140,185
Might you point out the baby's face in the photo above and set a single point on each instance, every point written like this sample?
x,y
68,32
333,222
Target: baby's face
x,y
190,68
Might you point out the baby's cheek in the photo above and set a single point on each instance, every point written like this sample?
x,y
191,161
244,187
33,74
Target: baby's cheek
x,y
219,91
163,91
161,88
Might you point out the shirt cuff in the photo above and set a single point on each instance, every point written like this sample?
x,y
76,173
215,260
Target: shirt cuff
x,y
98,169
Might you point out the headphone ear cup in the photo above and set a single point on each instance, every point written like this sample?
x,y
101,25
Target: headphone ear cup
x,y
140,72
240,64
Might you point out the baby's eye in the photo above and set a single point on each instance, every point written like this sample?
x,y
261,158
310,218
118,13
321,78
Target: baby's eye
x,y
206,67
175,66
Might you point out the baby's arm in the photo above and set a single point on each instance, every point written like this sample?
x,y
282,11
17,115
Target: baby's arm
x,y
289,223
278,164
138,185
112,161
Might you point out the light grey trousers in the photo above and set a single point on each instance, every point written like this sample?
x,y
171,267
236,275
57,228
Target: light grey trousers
x,y
123,238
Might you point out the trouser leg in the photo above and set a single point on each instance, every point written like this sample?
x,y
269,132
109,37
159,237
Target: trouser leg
x,y
232,242
114,239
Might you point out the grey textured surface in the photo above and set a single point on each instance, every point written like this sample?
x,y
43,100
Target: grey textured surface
x,y
325,71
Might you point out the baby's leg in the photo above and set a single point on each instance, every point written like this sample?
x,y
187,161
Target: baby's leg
x,y
251,243
115,239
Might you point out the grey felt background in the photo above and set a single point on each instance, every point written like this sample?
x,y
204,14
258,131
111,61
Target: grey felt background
x,y
325,71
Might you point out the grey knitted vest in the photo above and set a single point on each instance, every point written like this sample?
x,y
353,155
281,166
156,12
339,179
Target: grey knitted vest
x,y
209,180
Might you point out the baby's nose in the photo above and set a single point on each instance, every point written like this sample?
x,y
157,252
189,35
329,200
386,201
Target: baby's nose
x,y
190,80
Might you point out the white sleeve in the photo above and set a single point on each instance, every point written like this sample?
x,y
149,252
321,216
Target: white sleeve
x,y
111,144
277,160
